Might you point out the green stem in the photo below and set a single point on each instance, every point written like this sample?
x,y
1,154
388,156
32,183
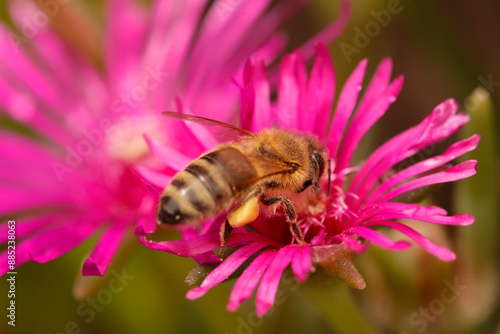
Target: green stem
x,y
337,307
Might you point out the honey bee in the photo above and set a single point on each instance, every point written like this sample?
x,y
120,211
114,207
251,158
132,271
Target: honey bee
x,y
235,176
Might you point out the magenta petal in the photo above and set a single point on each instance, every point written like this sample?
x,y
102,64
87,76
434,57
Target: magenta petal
x,y
378,239
50,48
436,250
265,32
460,171
352,243
165,35
345,106
130,16
145,225
363,121
201,244
394,210
273,47
52,244
291,90
61,62
268,287
204,135
32,78
23,107
101,256
15,198
440,124
378,84
167,155
225,269
321,90
460,220
25,149
407,209
208,69
31,225
186,248
189,232
158,179
255,77
246,284
454,151
248,114
301,262
225,25
192,144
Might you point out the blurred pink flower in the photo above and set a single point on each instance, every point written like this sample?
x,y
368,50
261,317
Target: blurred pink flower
x,y
362,196
73,178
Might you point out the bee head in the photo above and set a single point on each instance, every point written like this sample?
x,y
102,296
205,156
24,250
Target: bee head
x,y
319,163
319,158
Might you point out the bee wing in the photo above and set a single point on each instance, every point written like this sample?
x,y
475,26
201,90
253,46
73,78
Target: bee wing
x,y
230,129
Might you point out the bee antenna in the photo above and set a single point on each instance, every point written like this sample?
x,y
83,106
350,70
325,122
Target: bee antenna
x,y
329,177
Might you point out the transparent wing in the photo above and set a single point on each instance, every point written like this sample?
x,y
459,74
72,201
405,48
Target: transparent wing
x,y
230,130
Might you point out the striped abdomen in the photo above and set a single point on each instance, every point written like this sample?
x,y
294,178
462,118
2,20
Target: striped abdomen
x,y
208,185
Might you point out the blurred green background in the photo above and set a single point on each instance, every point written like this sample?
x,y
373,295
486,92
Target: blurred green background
x,y
444,49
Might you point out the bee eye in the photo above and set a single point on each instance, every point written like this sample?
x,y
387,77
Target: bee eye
x,y
320,163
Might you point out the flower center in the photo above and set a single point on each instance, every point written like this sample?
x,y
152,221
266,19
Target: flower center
x,y
324,216
125,140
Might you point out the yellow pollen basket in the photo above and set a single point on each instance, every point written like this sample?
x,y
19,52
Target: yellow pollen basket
x,y
245,214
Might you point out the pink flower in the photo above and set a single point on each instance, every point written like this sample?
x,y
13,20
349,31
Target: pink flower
x,y
363,195
73,178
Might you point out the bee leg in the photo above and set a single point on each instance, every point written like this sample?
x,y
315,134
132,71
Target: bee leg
x,y
225,233
297,233
241,214
290,213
